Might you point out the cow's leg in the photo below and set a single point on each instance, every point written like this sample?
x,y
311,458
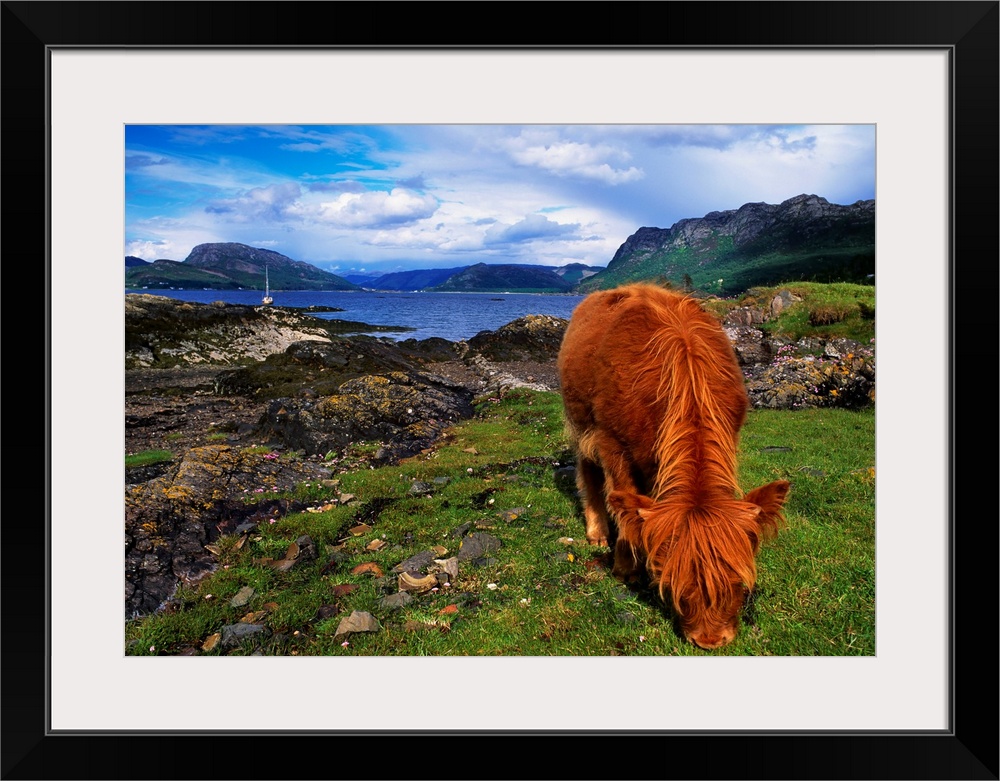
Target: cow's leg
x,y
629,561
629,556
590,481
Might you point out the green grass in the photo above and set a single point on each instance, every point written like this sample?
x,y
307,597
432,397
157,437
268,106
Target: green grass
x,y
148,458
826,311
540,595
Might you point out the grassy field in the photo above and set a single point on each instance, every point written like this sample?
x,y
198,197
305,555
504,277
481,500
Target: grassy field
x,y
543,591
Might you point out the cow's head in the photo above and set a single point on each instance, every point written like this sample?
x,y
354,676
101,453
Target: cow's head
x,y
703,555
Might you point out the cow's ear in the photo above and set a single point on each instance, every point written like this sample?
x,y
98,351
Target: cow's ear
x,y
623,501
770,499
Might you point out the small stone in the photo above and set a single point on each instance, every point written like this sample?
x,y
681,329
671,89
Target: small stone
x,y
234,634
476,545
243,596
357,621
420,489
446,567
416,563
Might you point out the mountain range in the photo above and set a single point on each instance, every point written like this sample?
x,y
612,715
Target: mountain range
x,y
231,266
805,238
724,252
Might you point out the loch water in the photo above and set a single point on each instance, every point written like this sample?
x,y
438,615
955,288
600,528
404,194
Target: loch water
x,y
452,316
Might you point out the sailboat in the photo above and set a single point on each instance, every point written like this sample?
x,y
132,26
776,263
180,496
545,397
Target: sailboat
x,y
267,289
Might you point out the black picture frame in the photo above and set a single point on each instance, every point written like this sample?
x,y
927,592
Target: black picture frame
x,y
968,750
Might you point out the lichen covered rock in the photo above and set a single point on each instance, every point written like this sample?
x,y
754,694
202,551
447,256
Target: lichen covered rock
x,y
403,411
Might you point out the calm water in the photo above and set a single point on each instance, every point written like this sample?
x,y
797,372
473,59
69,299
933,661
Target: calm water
x,y
453,316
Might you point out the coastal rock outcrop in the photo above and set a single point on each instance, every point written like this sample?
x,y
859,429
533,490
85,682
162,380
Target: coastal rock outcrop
x,y
171,519
403,411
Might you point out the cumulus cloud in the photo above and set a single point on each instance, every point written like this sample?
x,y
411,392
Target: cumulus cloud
x,y
534,226
273,203
374,209
574,158
150,250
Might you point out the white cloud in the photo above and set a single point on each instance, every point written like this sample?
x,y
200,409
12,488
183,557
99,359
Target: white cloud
x,y
574,158
377,208
272,203
534,226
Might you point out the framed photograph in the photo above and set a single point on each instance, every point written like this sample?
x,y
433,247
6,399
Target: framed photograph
x,y
923,706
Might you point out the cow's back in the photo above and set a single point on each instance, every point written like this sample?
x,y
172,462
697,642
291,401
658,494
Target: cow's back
x,y
609,379
612,375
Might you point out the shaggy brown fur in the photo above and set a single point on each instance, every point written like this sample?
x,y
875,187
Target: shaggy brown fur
x,y
654,402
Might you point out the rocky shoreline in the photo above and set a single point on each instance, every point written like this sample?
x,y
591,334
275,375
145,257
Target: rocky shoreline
x,y
250,396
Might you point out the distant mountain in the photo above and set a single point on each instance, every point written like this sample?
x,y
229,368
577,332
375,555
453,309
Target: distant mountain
x,y
420,279
486,278
229,266
511,278
364,279
575,273
132,261
803,238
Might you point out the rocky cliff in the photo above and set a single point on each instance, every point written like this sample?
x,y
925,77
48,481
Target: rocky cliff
x,y
803,238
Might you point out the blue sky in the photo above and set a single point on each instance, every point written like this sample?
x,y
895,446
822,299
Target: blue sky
x,y
393,197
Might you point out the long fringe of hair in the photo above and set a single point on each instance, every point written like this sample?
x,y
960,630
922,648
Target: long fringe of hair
x,y
699,534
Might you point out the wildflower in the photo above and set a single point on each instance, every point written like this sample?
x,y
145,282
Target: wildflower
x,y
258,490
272,520
642,638
344,644
152,648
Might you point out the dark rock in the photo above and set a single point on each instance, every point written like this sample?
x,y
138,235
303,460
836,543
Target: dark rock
x,y
476,545
420,488
402,410
170,520
417,563
460,531
531,338
752,345
236,634
800,382
326,611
